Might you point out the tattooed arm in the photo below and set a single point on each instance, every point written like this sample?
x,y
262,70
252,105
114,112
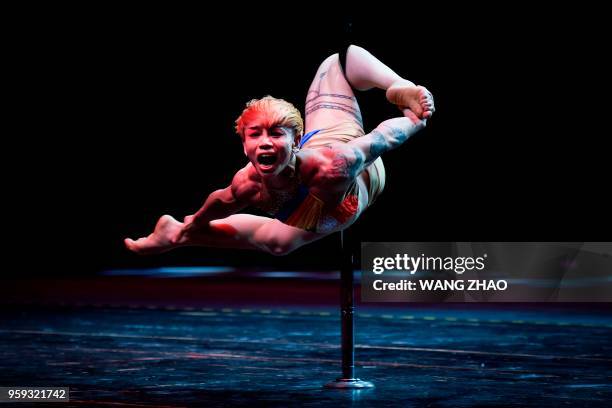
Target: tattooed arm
x,y
334,168
389,135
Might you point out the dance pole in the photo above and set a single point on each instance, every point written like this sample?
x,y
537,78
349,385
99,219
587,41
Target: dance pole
x,y
347,311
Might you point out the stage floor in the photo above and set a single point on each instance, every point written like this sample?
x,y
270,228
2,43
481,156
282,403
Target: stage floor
x,y
277,357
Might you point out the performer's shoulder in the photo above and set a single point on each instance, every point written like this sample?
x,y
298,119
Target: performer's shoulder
x,y
328,163
313,161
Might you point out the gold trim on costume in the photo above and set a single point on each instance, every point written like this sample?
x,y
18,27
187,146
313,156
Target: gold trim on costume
x,y
308,214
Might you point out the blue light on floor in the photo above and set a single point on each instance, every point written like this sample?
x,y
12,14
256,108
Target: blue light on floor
x,y
172,271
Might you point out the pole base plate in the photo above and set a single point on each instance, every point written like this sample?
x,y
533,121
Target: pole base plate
x,y
349,384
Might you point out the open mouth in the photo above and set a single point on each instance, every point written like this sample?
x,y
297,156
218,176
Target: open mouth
x,y
266,159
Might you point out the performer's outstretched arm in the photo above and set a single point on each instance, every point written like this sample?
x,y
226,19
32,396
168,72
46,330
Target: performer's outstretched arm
x,y
216,225
240,231
223,203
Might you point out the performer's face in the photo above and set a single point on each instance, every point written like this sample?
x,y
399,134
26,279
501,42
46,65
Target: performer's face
x,y
268,147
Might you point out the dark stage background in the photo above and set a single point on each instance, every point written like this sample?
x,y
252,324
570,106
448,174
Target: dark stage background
x,y
130,116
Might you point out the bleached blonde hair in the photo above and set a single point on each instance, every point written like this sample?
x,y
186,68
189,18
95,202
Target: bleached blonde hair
x,y
274,112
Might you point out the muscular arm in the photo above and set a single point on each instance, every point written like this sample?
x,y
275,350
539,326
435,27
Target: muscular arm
x,y
342,162
219,204
389,135
216,225
225,202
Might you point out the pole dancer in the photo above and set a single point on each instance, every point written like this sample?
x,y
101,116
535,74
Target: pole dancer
x,y
313,180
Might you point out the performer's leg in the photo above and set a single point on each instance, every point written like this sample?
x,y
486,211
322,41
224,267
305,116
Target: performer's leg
x,y
330,102
240,231
330,98
364,71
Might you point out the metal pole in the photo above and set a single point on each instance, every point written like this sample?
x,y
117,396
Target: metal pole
x,y
347,311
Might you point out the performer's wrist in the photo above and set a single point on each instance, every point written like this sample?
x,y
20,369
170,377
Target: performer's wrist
x,y
193,223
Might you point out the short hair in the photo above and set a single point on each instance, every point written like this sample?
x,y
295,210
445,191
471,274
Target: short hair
x,y
278,112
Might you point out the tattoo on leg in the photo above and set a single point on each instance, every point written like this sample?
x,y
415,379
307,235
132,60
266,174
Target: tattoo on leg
x,y
330,94
314,93
334,105
312,105
317,85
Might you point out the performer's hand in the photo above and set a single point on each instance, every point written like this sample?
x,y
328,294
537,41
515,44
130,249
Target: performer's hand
x,y
187,227
414,118
190,224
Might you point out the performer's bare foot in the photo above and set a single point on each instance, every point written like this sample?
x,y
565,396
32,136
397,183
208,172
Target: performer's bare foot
x,y
162,239
418,99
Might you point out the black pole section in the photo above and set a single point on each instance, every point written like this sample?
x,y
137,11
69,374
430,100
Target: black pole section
x,y
347,311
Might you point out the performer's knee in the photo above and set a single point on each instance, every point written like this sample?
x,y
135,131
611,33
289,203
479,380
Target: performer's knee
x,y
280,248
268,240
